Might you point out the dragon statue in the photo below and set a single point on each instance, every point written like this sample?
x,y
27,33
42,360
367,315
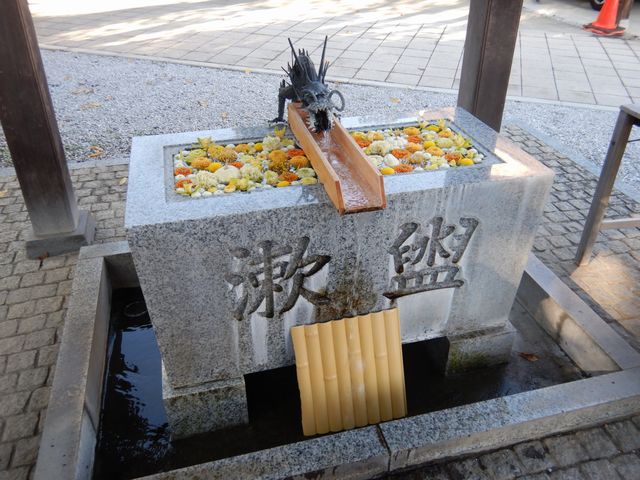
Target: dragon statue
x,y
308,87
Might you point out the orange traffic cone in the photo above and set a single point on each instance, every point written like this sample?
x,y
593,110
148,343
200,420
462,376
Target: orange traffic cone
x,y
607,21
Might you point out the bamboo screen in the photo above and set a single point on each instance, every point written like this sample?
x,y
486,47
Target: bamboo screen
x,y
350,372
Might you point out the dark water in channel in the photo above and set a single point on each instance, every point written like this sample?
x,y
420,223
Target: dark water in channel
x,y
134,437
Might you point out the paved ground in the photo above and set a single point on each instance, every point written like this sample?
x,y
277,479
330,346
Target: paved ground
x,y
34,294
413,43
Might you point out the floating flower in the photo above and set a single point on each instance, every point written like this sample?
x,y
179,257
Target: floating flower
x,y
206,179
213,166
271,177
403,168
182,183
417,158
372,136
251,172
237,164
379,147
414,139
193,154
390,160
258,147
299,161
455,156
465,162
289,177
227,155
295,152
200,163
363,142
399,153
271,143
387,171
411,131
306,172
182,171
413,147
444,142
376,159
242,148
436,151
279,161
283,183
446,133
227,173
204,142
309,181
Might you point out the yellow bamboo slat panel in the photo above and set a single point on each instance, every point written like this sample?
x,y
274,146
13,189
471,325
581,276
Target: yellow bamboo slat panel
x,y
350,372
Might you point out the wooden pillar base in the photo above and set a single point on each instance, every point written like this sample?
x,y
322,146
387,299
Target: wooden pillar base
x,y
50,245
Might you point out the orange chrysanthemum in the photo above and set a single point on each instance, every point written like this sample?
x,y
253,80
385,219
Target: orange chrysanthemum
x,y
181,183
399,153
182,171
200,163
237,164
362,142
299,161
413,147
414,139
295,152
288,177
455,156
403,168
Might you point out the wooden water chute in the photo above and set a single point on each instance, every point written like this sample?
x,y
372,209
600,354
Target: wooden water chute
x,y
349,178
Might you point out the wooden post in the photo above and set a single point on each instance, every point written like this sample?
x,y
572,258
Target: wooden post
x,y
492,31
31,131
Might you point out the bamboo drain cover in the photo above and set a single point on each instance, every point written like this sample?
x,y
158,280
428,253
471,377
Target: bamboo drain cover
x,y
350,372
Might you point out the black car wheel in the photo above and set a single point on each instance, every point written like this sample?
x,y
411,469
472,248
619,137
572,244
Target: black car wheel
x,y
596,4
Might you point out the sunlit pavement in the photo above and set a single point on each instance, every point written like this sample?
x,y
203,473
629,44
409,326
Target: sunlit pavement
x,y
411,43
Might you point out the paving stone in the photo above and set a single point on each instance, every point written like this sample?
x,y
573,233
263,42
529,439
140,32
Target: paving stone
x,y
39,338
468,469
627,466
20,426
599,470
572,473
502,465
534,457
597,443
31,324
20,361
625,435
33,378
39,399
26,451
5,455
566,450
20,473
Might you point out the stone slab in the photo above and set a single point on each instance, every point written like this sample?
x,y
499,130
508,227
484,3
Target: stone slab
x,y
206,407
480,349
580,332
355,454
512,419
187,250
53,245
69,434
117,255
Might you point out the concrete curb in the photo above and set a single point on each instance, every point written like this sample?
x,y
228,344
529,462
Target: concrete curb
x,y
68,439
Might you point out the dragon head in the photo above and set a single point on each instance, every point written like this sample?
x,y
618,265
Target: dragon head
x,y
316,96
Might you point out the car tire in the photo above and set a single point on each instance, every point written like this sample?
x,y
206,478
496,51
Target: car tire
x,y
596,4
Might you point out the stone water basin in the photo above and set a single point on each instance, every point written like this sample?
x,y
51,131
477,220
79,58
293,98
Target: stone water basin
x,y
225,278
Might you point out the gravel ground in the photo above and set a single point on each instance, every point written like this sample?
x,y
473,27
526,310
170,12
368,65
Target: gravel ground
x,y
101,102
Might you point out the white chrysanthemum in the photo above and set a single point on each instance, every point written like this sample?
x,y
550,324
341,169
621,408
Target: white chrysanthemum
x,y
206,179
391,161
227,173
379,147
251,172
376,159
271,143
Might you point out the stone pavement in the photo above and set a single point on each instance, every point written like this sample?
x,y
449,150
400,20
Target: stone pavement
x,y
415,43
34,295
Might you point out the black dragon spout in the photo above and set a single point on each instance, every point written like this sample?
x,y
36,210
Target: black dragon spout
x,y
308,87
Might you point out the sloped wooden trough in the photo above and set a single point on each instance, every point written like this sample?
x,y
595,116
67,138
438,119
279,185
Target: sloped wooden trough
x,y
352,183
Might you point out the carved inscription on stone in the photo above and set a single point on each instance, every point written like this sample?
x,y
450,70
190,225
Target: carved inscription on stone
x,y
429,262
276,276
